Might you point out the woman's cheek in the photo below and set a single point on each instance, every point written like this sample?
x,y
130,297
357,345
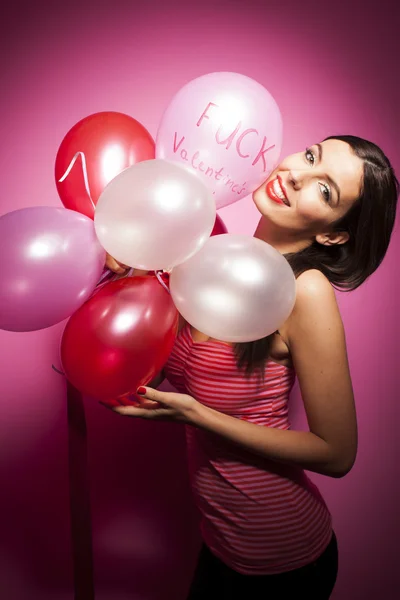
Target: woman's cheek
x,y
293,161
309,211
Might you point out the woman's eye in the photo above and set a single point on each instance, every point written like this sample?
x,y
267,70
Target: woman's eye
x,y
325,191
309,153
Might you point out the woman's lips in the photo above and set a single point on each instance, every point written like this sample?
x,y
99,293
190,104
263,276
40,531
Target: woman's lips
x,y
271,193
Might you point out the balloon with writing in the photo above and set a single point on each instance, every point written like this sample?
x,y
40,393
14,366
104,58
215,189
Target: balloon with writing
x,y
93,152
228,128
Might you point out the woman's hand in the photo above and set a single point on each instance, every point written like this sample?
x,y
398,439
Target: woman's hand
x,y
160,406
120,268
115,266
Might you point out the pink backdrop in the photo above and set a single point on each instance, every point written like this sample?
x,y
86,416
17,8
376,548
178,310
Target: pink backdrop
x,y
331,71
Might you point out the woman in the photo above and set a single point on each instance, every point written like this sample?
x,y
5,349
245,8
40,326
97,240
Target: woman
x,y
267,531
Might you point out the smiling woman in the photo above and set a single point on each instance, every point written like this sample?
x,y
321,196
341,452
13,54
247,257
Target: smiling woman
x,y
320,185
267,531
343,198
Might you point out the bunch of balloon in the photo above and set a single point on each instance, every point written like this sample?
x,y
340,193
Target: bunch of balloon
x,y
154,209
53,259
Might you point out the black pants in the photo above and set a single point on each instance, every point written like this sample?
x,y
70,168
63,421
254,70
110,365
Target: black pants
x,y
213,580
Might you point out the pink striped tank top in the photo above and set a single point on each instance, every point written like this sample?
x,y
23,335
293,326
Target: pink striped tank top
x,y
258,516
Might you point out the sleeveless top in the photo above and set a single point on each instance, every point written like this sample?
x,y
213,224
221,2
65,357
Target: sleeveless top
x,y
258,516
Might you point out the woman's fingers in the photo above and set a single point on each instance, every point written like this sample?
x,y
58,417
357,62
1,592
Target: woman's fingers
x,y
145,403
135,400
115,266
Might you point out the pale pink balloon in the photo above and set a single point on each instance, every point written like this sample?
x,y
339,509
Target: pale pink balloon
x,y
228,128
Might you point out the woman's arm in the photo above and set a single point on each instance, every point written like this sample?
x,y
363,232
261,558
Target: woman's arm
x,y
318,346
318,349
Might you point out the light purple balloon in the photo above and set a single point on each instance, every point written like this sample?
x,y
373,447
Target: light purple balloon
x,y
51,261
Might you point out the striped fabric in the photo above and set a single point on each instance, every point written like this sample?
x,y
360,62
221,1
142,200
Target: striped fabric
x,y
258,516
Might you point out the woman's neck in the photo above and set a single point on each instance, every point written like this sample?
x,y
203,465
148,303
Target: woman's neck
x,y
266,233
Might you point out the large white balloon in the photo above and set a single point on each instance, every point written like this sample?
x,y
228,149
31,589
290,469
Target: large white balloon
x,y
235,289
154,215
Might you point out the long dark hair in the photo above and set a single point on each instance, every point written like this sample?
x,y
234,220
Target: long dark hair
x,y
369,223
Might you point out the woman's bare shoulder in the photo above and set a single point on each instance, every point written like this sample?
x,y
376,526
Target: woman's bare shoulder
x,y
311,278
315,302
312,288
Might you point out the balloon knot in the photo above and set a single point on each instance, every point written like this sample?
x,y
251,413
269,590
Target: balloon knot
x,y
163,278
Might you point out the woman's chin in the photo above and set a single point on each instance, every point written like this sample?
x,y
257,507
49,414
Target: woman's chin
x,y
261,201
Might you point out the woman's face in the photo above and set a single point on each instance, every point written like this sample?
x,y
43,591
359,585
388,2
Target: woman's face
x,y
320,184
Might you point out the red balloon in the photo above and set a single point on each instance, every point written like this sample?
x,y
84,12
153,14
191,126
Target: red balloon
x,y
95,151
120,338
219,227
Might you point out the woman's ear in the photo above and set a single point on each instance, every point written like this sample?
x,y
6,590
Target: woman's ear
x,y
332,239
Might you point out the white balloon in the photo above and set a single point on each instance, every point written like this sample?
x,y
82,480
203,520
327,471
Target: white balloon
x,y
154,215
235,289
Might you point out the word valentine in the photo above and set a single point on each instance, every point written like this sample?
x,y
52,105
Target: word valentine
x,y
198,165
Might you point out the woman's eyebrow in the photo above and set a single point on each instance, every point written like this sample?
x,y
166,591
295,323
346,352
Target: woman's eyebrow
x,y
331,181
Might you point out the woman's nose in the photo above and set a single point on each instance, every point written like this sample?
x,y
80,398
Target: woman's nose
x,y
295,179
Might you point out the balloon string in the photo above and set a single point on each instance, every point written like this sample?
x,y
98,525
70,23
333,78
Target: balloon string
x,y
57,370
160,279
84,171
107,273
106,277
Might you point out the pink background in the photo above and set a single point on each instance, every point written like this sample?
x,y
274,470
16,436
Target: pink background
x,y
332,69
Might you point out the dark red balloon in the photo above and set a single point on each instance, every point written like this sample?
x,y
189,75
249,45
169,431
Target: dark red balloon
x,y
95,151
120,338
219,226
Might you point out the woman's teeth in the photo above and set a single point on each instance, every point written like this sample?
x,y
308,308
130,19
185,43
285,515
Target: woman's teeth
x,y
278,191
